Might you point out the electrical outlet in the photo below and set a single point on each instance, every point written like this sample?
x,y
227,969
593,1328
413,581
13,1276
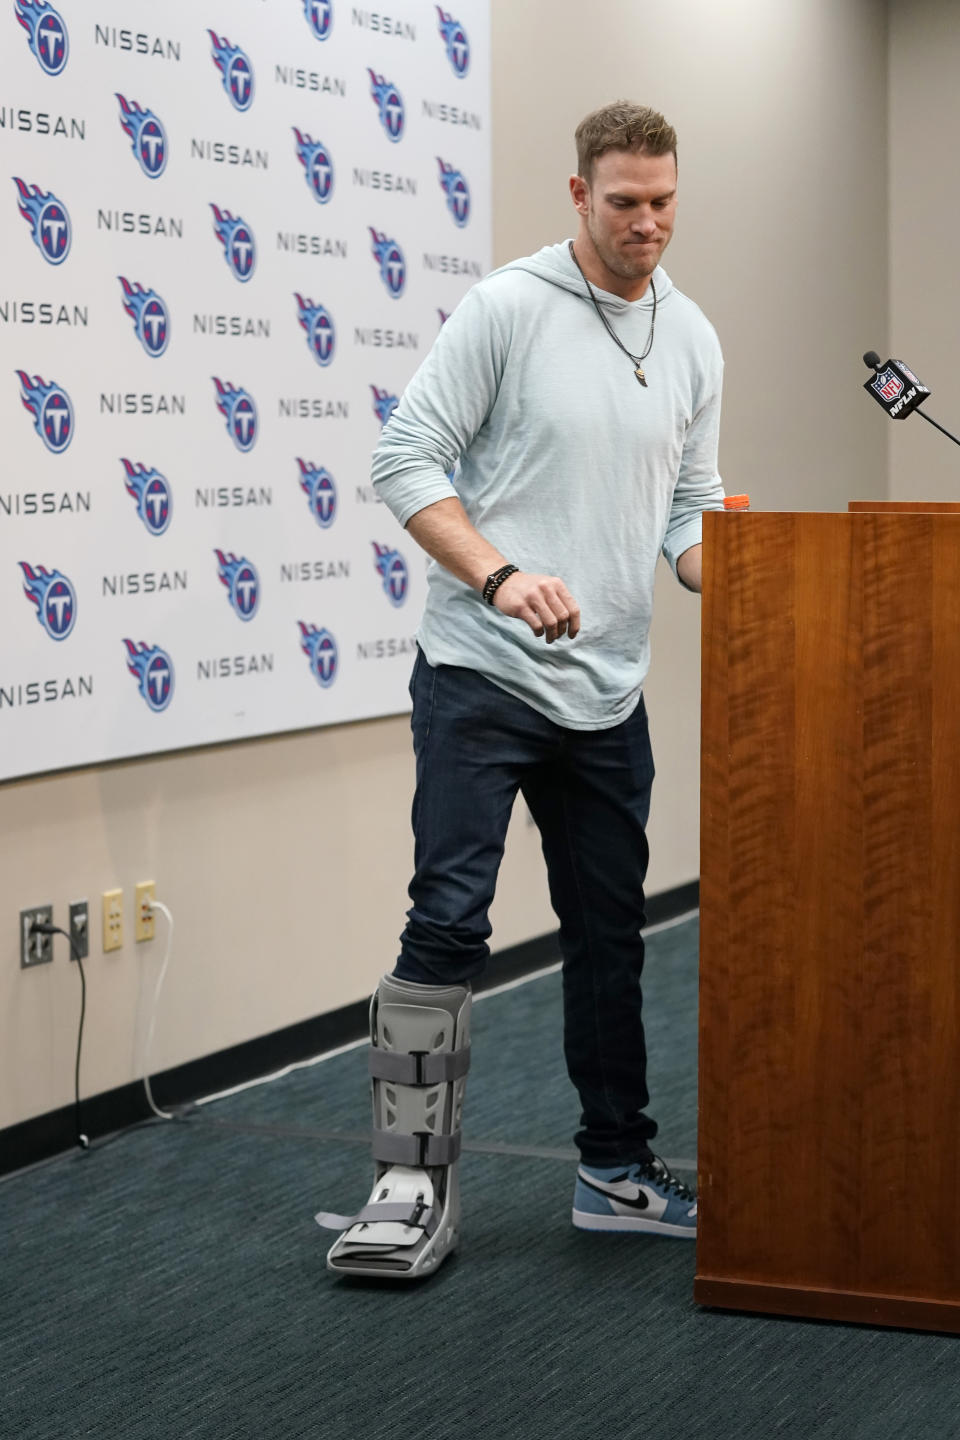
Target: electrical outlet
x,y
145,924
112,920
35,949
79,928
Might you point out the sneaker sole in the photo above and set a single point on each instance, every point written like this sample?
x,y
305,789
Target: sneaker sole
x,y
583,1220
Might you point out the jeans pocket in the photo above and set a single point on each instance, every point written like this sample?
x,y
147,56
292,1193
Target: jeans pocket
x,y
423,690
413,672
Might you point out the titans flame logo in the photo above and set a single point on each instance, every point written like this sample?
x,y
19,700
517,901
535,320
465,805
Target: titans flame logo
x,y
319,15
148,138
238,409
236,237
235,70
152,669
54,597
321,335
393,267
389,103
48,220
242,582
392,569
321,650
455,39
51,410
318,485
152,493
384,404
315,159
46,33
457,192
150,317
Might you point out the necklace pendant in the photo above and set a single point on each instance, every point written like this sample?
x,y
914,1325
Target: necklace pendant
x,y
640,376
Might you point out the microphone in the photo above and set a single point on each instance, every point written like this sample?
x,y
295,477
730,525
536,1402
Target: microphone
x,y
895,387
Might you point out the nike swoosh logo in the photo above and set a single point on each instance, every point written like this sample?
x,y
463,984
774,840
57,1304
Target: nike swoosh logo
x,y
633,1202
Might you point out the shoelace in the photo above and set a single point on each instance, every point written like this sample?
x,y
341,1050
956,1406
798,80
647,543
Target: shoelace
x,y
656,1170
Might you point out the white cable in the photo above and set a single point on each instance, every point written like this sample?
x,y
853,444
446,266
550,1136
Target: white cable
x,y
287,1070
161,1114
356,1044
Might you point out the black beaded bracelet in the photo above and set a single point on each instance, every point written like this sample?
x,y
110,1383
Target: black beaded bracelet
x,y
493,582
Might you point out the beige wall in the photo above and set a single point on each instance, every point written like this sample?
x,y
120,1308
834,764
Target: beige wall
x,y
285,861
924,224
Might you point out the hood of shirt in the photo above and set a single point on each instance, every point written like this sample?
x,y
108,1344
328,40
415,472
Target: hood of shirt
x,y
555,264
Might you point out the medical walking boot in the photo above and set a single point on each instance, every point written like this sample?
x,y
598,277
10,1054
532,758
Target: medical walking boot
x,y
419,1057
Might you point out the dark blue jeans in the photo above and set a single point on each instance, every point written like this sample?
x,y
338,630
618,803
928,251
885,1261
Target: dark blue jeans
x,y
589,793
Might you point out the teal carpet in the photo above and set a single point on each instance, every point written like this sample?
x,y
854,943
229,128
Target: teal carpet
x,y
171,1283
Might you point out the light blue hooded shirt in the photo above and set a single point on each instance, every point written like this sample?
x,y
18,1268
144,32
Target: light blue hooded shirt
x,y
567,465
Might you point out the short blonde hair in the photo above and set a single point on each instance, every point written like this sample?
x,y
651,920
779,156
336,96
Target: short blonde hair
x,y
622,126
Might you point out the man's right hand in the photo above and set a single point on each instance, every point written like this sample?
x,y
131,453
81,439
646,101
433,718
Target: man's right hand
x,y
542,601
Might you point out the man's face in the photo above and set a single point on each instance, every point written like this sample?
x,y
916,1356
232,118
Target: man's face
x,y
627,211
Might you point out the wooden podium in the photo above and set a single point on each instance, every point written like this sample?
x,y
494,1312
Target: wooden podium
x,y
829,1153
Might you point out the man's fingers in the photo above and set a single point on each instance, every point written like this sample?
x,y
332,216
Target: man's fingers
x,y
539,618
532,619
559,612
572,612
552,615
542,602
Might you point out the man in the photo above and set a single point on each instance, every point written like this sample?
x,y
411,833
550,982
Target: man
x,y
580,394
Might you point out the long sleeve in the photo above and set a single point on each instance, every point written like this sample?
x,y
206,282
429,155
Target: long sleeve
x,y
441,411
699,486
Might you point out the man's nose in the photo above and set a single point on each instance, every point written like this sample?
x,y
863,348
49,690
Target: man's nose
x,y
645,223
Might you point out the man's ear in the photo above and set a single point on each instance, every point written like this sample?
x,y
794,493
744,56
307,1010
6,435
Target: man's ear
x,y
579,193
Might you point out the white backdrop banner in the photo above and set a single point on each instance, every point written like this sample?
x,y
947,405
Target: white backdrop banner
x,y
231,231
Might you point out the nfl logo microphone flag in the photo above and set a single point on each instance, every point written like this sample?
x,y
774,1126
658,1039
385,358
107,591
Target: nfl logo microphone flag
x,y
231,233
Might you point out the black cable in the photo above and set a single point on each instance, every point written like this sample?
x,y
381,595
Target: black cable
x,y
942,428
41,928
637,360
